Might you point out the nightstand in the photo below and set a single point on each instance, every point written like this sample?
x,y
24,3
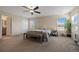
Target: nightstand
x,y
54,33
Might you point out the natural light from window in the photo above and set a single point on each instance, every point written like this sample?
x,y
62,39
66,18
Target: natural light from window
x,y
60,24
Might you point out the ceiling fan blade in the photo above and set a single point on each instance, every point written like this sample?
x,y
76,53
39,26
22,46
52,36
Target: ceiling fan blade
x,y
26,7
37,12
36,8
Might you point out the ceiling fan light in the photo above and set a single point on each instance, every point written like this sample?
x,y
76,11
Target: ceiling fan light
x,y
31,7
31,11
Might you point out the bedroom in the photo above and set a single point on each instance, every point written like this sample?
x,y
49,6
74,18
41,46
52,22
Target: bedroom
x,y
22,21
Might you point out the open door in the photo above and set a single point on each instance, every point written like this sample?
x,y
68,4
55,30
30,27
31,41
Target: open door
x,y
4,25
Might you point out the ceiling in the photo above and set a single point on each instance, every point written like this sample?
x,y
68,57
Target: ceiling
x,y
45,10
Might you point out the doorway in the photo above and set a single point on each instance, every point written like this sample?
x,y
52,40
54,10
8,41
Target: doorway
x,y
4,25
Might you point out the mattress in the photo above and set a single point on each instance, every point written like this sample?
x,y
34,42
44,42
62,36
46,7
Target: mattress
x,y
46,31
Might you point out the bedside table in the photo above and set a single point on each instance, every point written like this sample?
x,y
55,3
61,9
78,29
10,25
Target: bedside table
x,y
54,32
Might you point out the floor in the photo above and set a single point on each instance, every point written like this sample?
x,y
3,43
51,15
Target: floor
x,y
55,44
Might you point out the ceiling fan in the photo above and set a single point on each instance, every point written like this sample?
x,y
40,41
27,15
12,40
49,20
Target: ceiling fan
x,y
32,9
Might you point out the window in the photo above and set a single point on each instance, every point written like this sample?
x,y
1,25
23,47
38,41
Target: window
x,y
60,24
32,24
74,23
74,19
26,24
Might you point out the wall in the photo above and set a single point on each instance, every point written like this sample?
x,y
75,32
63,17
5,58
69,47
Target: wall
x,y
31,23
0,28
9,26
19,25
16,25
72,13
49,22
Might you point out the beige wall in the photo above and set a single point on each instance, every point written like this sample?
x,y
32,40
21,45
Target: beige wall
x,y
31,23
49,22
19,25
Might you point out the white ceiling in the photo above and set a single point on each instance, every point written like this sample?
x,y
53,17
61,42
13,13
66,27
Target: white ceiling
x,y
45,10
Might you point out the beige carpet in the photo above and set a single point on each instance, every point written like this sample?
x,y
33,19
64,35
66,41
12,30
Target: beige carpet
x,y
55,44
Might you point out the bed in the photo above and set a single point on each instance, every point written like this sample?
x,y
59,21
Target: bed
x,y
42,34
43,30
